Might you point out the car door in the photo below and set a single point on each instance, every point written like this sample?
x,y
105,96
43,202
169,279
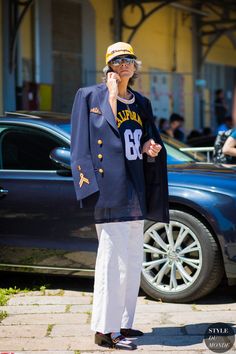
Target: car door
x,y
42,224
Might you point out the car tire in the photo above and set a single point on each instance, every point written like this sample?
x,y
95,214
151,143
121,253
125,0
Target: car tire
x,y
182,260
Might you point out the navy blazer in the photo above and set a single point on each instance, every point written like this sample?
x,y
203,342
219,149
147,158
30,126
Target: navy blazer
x,y
97,158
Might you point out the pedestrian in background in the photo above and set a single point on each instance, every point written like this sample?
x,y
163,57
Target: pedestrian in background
x,y
175,129
220,107
229,148
163,125
119,168
226,125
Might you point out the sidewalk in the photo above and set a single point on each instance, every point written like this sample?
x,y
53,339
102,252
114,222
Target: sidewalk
x,y
58,321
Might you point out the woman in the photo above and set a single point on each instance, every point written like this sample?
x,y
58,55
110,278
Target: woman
x,y
229,148
119,167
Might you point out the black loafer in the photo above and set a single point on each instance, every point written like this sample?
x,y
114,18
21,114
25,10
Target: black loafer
x,y
103,339
129,332
119,342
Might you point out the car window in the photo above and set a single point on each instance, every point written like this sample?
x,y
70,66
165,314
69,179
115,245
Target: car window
x,y
175,156
24,148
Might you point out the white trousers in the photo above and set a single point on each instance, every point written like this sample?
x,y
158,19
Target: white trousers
x,y
117,275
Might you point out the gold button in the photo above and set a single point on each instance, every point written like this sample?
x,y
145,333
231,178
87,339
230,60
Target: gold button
x,y
100,156
100,170
99,142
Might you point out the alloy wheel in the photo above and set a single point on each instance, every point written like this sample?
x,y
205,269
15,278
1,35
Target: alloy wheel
x,y
172,257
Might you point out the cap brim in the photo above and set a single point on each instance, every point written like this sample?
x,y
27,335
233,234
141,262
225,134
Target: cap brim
x,y
115,55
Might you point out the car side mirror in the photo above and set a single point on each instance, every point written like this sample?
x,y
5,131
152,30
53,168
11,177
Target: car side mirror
x,y
61,155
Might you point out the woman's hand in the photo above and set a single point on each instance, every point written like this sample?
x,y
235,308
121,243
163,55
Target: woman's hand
x,y
112,84
151,148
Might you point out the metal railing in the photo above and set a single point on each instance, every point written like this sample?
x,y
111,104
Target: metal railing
x,y
207,150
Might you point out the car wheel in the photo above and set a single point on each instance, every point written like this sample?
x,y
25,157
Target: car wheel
x,y
182,261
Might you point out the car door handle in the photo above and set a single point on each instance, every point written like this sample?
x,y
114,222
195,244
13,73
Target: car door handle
x,y
3,191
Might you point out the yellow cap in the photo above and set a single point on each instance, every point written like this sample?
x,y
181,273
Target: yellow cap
x,y
117,49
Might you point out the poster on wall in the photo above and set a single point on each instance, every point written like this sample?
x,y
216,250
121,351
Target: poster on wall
x,y
178,93
160,94
166,93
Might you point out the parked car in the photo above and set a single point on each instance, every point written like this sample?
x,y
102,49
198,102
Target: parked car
x,y
43,228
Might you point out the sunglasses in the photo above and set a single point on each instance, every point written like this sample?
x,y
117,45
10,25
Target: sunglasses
x,y
119,60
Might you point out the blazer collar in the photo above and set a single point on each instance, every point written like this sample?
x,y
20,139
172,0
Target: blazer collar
x,y
103,96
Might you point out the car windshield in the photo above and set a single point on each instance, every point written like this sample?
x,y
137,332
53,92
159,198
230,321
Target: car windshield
x,y
174,155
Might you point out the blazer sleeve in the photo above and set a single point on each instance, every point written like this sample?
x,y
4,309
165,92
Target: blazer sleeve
x,y
81,161
155,170
152,130
149,127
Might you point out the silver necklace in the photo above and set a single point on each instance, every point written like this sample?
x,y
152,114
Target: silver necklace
x,y
125,100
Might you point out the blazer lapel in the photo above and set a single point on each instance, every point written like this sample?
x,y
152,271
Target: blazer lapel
x,y
103,96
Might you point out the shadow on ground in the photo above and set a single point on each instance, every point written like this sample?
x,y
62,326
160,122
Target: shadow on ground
x,y
172,336
183,335
223,294
35,281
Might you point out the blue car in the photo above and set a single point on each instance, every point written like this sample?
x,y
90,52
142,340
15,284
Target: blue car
x,y
44,230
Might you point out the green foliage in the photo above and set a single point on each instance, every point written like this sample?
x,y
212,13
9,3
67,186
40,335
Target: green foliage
x,y
68,307
194,308
3,314
6,293
43,289
49,329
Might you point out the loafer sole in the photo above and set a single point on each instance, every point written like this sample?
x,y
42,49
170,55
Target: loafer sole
x,y
105,341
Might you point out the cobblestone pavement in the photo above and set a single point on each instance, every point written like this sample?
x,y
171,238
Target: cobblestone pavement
x,y
56,321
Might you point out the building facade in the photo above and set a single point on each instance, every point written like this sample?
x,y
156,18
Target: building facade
x,y
49,48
